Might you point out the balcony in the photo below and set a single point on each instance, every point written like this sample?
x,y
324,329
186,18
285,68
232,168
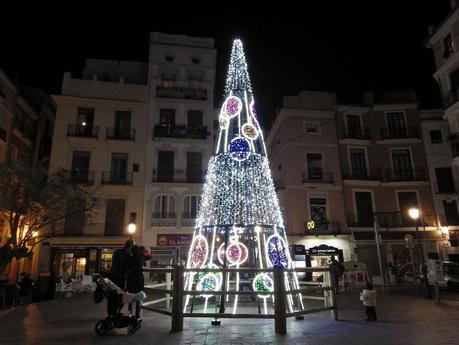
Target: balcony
x,y
448,188
317,177
163,219
188,219
83,131
178,176
120,134
405,175
324,228
181,93
184,132
357,134
396,220
362,175
117,177
80,176
400,133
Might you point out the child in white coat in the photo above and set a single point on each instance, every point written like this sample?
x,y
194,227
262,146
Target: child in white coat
x,y
368,297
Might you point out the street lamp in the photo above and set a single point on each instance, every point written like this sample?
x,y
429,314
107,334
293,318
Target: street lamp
x,y
131,229
414,214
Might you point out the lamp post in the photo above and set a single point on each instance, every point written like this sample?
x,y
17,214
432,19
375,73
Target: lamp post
x,y
131,229
414,214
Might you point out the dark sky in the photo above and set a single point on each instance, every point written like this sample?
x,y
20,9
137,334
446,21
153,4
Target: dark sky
x,y
343,46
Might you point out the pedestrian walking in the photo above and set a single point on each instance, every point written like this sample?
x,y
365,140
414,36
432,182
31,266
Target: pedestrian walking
x,y
368,297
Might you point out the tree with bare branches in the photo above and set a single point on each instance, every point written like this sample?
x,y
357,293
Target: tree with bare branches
x,y
34,205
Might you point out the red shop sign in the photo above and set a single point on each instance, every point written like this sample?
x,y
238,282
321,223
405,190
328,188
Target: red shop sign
x,y
180,240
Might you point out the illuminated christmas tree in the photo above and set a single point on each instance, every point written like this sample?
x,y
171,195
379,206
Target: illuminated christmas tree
x,y
239,223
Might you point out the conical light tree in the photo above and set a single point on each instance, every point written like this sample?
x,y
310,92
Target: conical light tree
x,y
239,223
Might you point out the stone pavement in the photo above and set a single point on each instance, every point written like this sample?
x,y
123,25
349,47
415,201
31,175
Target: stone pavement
x,y
403,320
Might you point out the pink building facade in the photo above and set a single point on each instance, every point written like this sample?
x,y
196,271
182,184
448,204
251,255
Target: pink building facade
x,y
305,162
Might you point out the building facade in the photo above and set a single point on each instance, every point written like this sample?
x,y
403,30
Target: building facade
x,y
444,43
100,139
305,164
180,139
385,174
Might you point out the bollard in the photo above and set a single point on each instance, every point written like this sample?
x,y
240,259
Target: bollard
x,y
280,319
334,311
177,300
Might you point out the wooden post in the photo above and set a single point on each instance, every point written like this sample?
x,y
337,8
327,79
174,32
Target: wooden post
x,y
334,311
177,300
280,320
168,287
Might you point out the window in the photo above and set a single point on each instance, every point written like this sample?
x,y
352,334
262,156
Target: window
x,y
80,166
447,46
358,162
74,221
114,217
312,127
396,124
435,137
354,129
135,167
118,170
164,206
407,200
123,124
451,214
167,117
195,60
165,171
279,167
169,58
191,206
194,167
318,209
194,118
445,180
364,208
314,165
106,256
401,160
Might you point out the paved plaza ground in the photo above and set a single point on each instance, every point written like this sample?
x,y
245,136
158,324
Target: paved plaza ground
x,y
403,320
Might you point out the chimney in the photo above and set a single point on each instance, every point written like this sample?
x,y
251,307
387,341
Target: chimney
x,y
368,98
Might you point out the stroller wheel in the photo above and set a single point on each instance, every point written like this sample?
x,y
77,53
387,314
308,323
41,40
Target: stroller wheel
x,y
102,327
134,327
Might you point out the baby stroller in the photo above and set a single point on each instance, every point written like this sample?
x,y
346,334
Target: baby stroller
x,y
116,298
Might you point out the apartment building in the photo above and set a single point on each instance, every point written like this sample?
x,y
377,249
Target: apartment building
x,y
100,139
180,139
385,174
305,164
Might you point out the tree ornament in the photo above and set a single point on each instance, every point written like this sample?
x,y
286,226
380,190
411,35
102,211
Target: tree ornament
x,y
239,148
249,131
263,283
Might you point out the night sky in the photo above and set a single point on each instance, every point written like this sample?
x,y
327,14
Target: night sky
x,y
343,46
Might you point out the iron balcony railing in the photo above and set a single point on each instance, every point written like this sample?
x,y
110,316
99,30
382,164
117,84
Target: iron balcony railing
x,y
399,219
445,189
120,134
399,133
368,175
117,177
164,219
178,176
188,219
313,176
80,176
86,131
184,132
322,227
405,175
359,134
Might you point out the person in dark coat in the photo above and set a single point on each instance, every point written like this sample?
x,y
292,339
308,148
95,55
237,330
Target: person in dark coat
x,y
120,264
135,280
